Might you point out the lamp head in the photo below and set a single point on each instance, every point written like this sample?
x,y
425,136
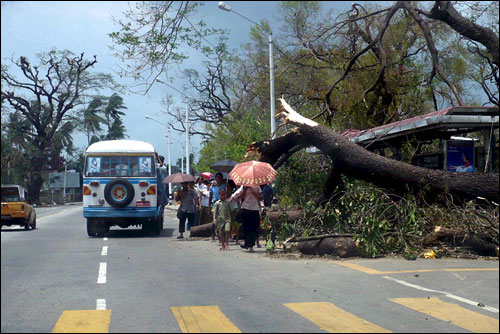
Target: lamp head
x,y
224,6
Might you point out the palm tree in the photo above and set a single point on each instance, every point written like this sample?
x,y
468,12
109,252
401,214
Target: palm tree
x,y
117,130
91,118
112,110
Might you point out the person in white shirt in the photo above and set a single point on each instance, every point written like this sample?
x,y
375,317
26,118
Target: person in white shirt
x,y
205,212
250,217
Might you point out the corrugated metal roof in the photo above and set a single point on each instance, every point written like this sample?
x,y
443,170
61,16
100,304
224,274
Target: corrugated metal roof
x,y
454,117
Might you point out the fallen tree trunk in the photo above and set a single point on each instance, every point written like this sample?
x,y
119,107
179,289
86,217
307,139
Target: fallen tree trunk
x,y
201,231
355,161
336,246
478,243
289,216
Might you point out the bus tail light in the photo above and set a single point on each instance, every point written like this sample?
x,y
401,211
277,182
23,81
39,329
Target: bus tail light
x,y
86,191
94,183
152,190
143,184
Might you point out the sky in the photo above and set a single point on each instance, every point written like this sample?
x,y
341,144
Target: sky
x,y
31,27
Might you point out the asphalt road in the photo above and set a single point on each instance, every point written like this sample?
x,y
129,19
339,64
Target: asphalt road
x,y
56,278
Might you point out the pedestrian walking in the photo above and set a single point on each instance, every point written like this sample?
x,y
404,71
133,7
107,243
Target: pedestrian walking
x,y
249,212
187,198
214,195
235,208
222,219
192,185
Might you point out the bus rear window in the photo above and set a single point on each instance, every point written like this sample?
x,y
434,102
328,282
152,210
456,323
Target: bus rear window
x,y
116,166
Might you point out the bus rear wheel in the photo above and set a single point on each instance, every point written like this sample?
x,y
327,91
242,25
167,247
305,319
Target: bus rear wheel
x,y
91,227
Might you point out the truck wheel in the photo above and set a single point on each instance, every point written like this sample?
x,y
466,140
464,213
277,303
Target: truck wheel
x,y
27,224
145,227
33,226
156,226
102,230
91,228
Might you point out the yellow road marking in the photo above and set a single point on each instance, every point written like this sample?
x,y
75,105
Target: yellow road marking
x,y
359,268
378,272
203,319
334,319
84,321
451,313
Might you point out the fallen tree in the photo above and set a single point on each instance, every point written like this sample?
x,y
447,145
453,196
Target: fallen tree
x,y
201,231
394,179
478,242
355,161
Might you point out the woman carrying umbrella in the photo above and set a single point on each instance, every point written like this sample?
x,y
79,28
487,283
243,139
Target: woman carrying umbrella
x,y
250,175
250,198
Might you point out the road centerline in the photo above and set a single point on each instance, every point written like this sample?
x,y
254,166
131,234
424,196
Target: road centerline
x,y
100,304
101,279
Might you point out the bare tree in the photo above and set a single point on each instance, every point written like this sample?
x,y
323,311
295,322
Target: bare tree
x,y
45,96
381,42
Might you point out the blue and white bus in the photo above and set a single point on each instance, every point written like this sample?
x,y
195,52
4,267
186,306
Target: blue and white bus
x,y
120,186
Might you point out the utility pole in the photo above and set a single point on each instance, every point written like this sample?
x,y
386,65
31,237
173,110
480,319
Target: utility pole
x,y
187,140
64,185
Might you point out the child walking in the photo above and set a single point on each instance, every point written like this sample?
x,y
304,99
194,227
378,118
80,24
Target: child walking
x,y
222,218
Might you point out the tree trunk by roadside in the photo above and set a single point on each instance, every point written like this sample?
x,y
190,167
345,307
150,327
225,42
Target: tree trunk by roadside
x,y
289,216
201,231
336,246
478,243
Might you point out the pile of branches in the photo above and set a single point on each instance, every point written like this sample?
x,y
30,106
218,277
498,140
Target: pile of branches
x,y
380,222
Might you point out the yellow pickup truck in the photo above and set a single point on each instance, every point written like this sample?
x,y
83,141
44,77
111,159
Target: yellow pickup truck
x,y
16,207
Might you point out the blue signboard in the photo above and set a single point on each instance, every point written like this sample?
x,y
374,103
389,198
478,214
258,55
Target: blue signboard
x,y
460,156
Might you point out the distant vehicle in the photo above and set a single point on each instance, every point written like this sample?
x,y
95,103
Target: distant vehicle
x,y
120,186
17,208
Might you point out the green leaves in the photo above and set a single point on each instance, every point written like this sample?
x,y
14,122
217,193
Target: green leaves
x,y
157,34
381,222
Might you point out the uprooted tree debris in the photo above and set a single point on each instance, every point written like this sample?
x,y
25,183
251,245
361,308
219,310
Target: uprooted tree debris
x,y
393,176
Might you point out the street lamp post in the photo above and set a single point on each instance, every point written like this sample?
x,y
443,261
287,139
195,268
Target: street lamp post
x,y
227,8
182,158
187,140
64,185
187,123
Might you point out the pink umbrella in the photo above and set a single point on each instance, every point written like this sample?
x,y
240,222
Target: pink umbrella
x,y
206,175
253,173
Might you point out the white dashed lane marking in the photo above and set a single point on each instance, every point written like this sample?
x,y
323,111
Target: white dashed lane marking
x,y
101,304
101,279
